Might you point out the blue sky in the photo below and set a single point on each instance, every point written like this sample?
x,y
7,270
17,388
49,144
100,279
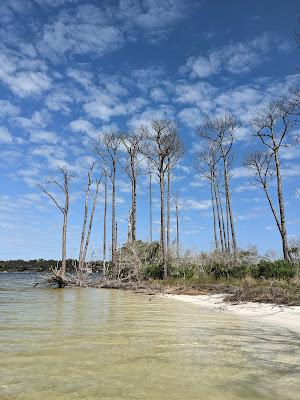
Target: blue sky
x,y
70,69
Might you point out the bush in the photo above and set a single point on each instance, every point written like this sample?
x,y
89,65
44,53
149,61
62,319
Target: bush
x,y
153,271
279,269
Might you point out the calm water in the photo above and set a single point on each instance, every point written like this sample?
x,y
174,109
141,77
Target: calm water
x,y
104,344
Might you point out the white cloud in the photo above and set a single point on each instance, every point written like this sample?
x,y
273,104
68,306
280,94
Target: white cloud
x,y
24,76
44,137
81,125
39,119
85,30
7,109
243,188
191,116
195,204
105,106
235,58
163,112
240,172
154,17
5,136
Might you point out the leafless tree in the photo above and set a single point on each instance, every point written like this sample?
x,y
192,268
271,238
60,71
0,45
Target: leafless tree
x,y
271,127
64,188
177,202
132,142
220,130
85,236
261,168
206,164
150,206
172,159
108,147
162,143
85,216
104,222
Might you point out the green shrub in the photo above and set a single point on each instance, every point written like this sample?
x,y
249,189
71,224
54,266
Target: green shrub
x,y
218,270
154,271
279,269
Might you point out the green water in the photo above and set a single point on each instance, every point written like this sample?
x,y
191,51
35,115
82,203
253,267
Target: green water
x,y
103,344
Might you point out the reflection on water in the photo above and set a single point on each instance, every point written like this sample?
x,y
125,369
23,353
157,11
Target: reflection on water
x,y
105,344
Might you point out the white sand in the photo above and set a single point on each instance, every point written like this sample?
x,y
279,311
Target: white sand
x,y
285,316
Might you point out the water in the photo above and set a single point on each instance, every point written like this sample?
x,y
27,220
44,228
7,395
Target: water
x,y
91,344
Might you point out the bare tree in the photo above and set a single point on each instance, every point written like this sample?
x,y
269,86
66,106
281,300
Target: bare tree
x,y
150,206
206,164
104,222
261,168
107,147
85,236
272,126
177,211
64,188
220,130
85,216
132,142
175,154
162,142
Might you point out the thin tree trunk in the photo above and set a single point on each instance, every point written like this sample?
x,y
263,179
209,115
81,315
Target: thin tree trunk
x,y
228,197
214,211
219,202
104,226
86,207
177,230
91,222
285,246
133,210
64,247
215,195
150,205
168,212
272,209
229,246
162,221
116,246
113,216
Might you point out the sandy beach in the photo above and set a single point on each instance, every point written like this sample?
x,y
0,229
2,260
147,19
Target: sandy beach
x,y
284,316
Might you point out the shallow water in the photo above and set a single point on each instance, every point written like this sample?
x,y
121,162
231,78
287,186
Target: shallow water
x,y
103,344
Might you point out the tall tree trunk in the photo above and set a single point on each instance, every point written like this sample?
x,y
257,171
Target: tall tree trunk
x,y
150,205
85,215
91,222
162,221
228,197
168,212
215,195
104,226
64,247
285,246
116,242
177,230
225,246
133,210
214,211
113,215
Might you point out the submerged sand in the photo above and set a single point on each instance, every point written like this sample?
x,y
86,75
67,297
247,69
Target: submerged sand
x,y
284,316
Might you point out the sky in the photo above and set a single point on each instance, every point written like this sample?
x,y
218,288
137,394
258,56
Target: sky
x,y
70,69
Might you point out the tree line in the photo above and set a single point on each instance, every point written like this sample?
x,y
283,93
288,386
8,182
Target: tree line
x,y
155,149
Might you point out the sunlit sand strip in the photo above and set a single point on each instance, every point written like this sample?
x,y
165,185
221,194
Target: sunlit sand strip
x,y
284,316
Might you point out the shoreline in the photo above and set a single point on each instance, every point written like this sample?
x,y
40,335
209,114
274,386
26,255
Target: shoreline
x,y
280,315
